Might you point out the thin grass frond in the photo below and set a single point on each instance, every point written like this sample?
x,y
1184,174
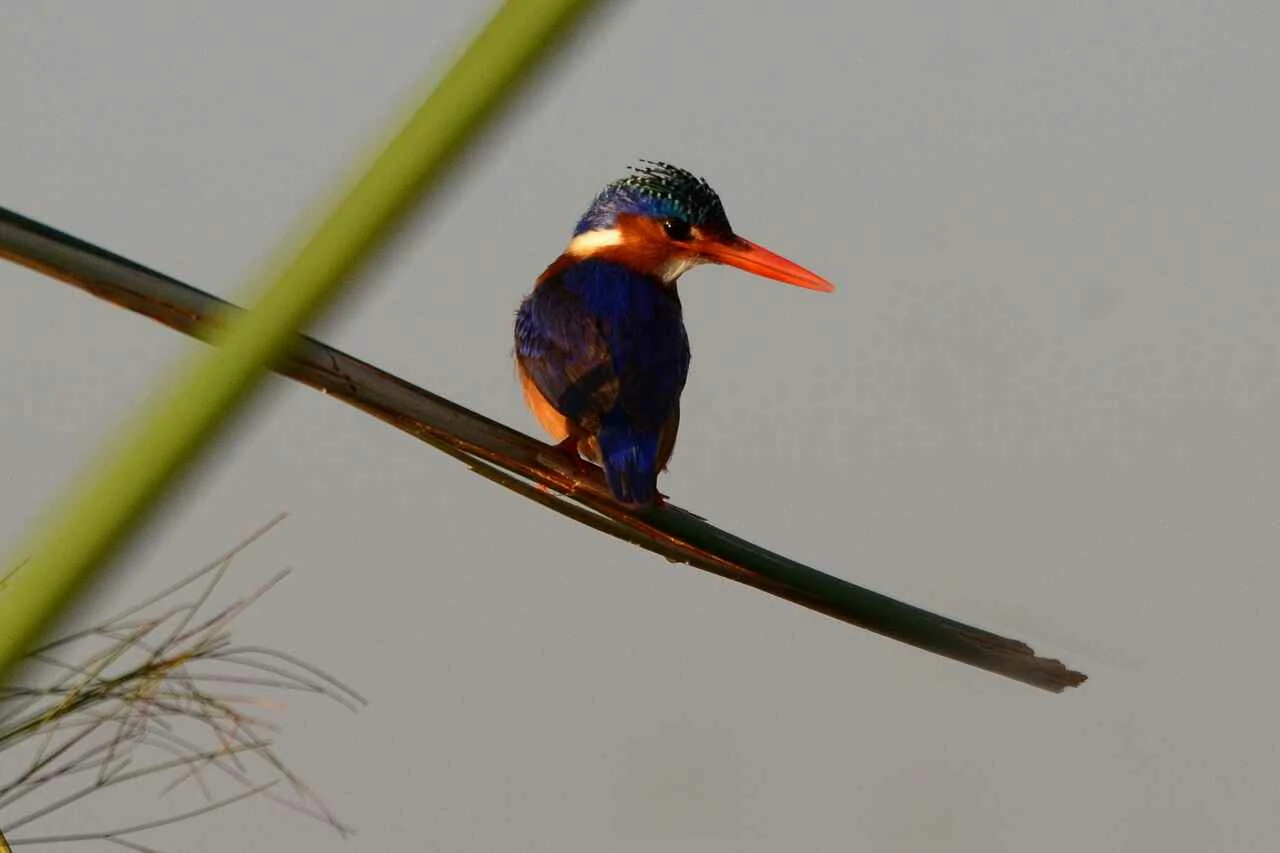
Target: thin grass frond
x,y
117,834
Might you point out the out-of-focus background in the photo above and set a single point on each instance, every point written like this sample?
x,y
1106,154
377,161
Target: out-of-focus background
x,y
1044,400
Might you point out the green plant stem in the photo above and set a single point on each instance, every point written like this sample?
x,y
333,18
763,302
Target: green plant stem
x,y
108,501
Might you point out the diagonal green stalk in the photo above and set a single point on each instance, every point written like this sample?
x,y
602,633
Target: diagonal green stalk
x,y
95,516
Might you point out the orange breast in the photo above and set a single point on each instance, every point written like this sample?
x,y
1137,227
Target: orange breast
x,y
556,425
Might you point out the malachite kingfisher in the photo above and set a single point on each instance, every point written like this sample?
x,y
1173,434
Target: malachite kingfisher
x,y
601,348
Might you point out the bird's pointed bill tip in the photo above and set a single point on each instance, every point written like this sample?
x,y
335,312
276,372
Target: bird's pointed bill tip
x,y
756,259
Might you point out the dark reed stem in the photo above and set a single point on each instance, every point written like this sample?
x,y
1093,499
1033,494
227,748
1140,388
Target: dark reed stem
x,y
499,452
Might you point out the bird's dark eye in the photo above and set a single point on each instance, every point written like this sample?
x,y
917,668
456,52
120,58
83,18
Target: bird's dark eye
x,y
677,229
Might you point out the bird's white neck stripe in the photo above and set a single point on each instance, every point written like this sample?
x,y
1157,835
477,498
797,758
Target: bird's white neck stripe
x,y
589,242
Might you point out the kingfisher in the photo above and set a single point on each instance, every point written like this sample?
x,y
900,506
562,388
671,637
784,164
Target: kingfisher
x,y
601,349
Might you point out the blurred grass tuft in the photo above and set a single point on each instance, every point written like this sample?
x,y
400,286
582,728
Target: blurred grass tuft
x,y
156,693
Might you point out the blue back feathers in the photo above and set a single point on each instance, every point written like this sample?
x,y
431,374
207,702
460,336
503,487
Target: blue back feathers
x,y
598,314
658,191
607,348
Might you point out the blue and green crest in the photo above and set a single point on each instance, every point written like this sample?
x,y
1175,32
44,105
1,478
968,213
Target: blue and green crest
x,y
658,191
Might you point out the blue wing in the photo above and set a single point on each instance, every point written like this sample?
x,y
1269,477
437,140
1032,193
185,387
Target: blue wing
x,y
606,346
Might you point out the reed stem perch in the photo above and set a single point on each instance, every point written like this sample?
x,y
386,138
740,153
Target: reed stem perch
x,y
522,464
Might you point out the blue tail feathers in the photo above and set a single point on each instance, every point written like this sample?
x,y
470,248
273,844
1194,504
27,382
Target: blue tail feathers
x,y
630,458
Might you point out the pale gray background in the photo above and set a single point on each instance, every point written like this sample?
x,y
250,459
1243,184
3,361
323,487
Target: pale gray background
x,y
1044,400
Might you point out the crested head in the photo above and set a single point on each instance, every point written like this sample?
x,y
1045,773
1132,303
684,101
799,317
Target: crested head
x,y
657,191
660,221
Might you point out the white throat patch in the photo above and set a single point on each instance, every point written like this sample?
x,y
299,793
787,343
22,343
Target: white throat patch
x,y
676,267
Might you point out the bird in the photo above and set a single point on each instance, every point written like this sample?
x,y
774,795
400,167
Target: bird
x,y
601,349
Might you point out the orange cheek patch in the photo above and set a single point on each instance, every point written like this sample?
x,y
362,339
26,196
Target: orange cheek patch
x,y
644,246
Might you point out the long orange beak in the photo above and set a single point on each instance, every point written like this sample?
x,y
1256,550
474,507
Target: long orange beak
x,y
745,255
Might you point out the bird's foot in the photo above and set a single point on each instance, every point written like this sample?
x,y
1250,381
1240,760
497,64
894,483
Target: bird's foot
x,y
568,459
569,449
